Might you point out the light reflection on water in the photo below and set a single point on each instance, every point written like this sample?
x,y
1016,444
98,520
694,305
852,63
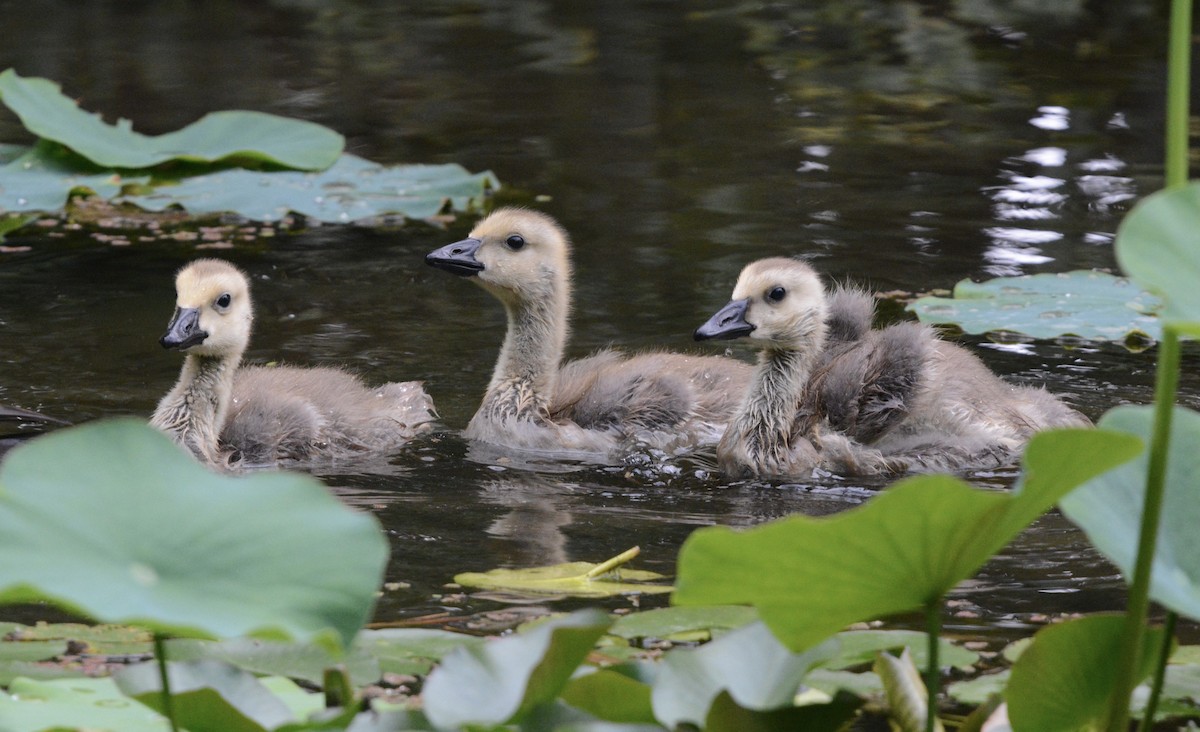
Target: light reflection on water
x,y
674,153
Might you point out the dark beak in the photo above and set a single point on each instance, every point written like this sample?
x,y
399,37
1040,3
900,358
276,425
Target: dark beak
x,y
183,331
457,258
728,323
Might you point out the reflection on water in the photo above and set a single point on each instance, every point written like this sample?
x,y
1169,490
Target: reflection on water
x,y
899,145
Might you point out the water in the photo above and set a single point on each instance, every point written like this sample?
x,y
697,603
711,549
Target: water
x,y
900,146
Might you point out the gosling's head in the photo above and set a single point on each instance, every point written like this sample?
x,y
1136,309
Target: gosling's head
x,y
778,301
518,255
212,310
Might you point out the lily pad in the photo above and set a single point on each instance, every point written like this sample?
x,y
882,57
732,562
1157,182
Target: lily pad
x,y
579,579
94,704
352,189
1156,246
1109,508
669,621
1063,682
749,663
899,552
111,520
979,689
42,178
48,113
503,680
1086,304
305,661
611,695
860,647
411,650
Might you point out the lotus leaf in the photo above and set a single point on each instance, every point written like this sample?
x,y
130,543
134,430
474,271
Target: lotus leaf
x,y
501,681
352,189
48,113
901,551
1109,508
1063,681
1156,246
580,579
411,650
667,621
750,663
32,706
859,647
305,661
40,180
611,695
1086,304
113,521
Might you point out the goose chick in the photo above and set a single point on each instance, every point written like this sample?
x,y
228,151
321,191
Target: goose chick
x,y
605,404
830,393
225,413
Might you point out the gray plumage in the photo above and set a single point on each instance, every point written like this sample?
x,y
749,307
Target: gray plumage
x,y
830,392
606,404
263,415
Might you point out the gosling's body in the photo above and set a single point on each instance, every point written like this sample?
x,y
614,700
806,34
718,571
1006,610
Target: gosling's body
x,y
829,392
226,413
606,404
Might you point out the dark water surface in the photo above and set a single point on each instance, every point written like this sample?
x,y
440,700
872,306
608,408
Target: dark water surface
x,y
901,145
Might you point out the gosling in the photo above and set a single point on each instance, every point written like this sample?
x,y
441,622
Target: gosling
x,y
228,414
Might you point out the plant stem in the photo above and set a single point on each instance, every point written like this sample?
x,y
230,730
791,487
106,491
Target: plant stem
x,y
1166,381
160,655
1178,89
933,671
609,565
1160,673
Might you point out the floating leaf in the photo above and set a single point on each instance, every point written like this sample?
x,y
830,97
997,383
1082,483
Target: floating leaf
x,y
112,520
830,682
1156,247
352,189
667,621
901,551
979,689
411,650
756,669
41,179
860,647
306,661
503,680
48,113
94,704
1083,303
580,579
208,696
1109,508
1063,682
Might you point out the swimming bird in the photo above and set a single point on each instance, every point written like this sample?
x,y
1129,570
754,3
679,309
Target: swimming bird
x,y
225,413
831,392
607,404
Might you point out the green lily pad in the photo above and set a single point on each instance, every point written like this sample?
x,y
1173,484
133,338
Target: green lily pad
x,y
899,552
352,189
670,621
979,689
750,663
411,650
306,661
860,647
48,113
1109,508
42,178
611,695
1085,304
208,696
501,681
1063,682
92,704
579,579
113,521
831,682
1156,247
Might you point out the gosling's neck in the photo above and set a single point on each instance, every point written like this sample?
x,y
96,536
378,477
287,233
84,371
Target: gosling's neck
x,y
526,373
194,411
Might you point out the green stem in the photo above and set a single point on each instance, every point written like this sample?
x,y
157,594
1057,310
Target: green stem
x,y
1160,673
160,655
933,671
1178,89
1166,381
609,565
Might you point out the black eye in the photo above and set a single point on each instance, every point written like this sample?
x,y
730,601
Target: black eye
x,y
224,300
515,242
775,294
